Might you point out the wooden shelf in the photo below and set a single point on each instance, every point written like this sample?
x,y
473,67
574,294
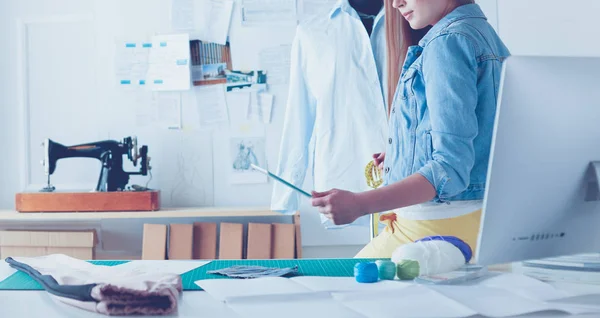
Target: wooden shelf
x,y
11,215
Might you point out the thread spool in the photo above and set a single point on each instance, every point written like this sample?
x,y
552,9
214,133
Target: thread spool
x,y
387,269
408,269
366,272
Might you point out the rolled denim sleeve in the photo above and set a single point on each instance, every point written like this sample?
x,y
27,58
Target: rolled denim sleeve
x,y
296,135
450,75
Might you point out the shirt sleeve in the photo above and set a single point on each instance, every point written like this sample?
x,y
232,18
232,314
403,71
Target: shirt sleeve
x,y
450,75
296,135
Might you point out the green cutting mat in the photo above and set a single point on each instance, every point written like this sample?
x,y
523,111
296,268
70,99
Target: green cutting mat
x,y
338,267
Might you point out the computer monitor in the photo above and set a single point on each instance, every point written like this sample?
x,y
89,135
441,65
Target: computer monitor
x,y
541,197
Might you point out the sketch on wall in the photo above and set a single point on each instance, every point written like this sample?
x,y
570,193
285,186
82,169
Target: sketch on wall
x,y
245,151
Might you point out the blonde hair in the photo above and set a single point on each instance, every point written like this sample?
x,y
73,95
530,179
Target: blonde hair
x,y
399,36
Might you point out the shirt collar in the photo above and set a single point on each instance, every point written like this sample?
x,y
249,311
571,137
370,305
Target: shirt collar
x,y
344,5
460,13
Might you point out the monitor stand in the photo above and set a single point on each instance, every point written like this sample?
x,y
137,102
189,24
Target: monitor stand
x,y
593,189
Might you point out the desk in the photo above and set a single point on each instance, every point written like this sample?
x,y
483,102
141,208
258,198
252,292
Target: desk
x,y
192,304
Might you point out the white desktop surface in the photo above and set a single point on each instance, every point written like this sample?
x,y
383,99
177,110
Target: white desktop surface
x,y
192,304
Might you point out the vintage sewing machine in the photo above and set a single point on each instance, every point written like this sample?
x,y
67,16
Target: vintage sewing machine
x,y
111,193
109,152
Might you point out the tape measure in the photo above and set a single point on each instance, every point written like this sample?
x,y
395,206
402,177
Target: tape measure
x,y
374,180
373,175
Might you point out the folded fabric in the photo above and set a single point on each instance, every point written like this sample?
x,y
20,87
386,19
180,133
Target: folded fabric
x,y
243,271
102,289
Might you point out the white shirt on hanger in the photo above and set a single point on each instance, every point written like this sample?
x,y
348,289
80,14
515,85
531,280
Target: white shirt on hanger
x,y
337,96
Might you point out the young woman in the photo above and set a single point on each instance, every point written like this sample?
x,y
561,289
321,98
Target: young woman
x,y
444,65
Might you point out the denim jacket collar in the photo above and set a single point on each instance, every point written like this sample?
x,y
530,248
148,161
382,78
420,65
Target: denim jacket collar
x,y
460,13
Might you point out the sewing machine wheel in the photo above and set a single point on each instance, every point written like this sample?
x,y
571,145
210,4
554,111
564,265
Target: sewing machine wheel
x,y
132,149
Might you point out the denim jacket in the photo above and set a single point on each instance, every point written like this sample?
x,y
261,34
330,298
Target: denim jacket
x,y
443,111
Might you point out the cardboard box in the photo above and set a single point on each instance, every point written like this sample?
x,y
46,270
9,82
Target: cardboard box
x,y
284,241
205,240
231,241
181,237
259,241
154,242
24,243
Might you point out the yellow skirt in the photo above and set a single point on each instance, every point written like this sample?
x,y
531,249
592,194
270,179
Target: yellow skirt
x,y
401,231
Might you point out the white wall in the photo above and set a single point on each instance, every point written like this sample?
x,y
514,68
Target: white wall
x,y
490,10
58,60
58,57
550,27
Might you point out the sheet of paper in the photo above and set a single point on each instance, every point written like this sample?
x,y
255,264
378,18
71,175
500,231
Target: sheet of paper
x,y
412,301
190,114
310,8
276,61
131,63
266,106
177,267
169,110
6,271
525,286
346,284
239,105
231,289
169,63
182,15
146,109
268,12
485,301
212,105
295,306
213,19
254,111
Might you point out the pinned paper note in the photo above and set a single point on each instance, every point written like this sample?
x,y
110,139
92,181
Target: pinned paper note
x,y
276,61
169,110
266,106
268,12
213,19
131,63
182,15
169,63
146,109
212,106
239,103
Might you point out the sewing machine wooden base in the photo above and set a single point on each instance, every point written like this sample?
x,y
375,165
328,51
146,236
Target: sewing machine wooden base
x,y
87,201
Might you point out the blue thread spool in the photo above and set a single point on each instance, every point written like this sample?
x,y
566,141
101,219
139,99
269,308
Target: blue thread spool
x,y
387,269
366,272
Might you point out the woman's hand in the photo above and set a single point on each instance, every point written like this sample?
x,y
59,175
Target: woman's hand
x,y
378,158
341,207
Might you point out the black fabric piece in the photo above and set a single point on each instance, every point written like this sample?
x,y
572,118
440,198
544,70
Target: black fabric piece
x,y
367,10
77,292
